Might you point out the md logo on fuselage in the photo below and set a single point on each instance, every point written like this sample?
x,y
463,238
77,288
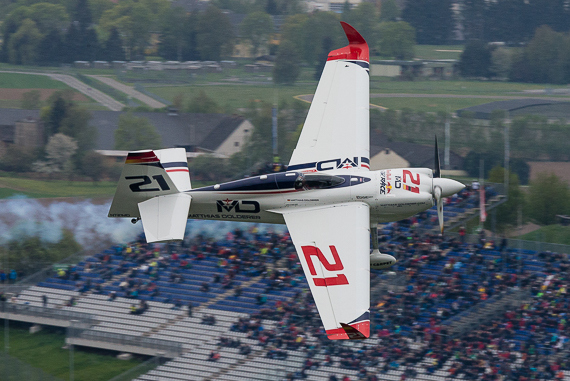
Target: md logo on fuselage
x,y
238,206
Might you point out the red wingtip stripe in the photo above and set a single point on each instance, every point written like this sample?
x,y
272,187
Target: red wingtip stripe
x,y
355,331
357,48
178,170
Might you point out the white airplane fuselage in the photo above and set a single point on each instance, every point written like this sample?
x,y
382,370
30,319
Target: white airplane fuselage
x,y
391,194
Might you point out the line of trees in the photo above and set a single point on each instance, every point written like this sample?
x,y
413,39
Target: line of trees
x,y
545,59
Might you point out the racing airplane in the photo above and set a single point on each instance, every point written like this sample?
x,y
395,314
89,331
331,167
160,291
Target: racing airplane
x,y
329,198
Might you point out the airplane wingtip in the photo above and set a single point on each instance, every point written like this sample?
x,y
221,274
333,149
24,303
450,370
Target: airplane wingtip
x,y
354,38
357,48
356,331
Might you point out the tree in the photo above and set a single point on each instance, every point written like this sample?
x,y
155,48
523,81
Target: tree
x,y
508,21
475,60
214,35
209,168
501,59
312,33
135,133
113,50
29,254
76,125
202,103
326,48
59,151
286,69
16,160
473,18
548,196
23,44
172,34
48,16
134,21
93,165
389,10
507,213
432,19
54,114
31,100
257,28
397,39
51,48
548,57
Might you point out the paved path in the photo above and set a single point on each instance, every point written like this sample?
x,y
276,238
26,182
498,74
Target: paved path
x,y
73,82
129,91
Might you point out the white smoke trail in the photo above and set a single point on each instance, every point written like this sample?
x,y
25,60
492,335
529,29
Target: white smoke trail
x,y
46,219
87,220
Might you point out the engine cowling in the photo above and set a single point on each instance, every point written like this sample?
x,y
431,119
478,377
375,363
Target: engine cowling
x,y
379,261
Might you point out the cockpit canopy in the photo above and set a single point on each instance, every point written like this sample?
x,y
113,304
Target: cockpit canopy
x,y
317,181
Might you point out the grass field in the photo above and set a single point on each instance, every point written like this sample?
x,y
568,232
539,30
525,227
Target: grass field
x,y
234,96
43,350
552,234
385,85
28,81
13,186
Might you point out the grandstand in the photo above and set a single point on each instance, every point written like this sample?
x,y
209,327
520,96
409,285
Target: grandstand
x,y
239,309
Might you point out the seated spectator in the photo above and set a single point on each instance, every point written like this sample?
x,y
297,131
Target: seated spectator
x,y
214,356
112,296
209,320
205,287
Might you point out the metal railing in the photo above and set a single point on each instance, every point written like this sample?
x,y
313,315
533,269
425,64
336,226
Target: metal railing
x,y
158,345
85,320
518,243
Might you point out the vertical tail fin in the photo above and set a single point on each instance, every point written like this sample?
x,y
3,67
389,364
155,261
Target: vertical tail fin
x,y
151,187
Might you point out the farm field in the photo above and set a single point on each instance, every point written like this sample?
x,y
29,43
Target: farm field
x,y
13,86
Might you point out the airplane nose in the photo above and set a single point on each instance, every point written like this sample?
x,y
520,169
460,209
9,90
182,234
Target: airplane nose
x,y
448,187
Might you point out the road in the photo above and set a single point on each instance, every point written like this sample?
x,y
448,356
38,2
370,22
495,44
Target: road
x,y
73,82
151,102
95,94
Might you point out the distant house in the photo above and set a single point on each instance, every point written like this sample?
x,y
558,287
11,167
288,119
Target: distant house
x,y
441,69
219,134
386,154
22,129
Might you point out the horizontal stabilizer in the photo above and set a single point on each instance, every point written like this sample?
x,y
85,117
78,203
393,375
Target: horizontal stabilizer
x,y
164,217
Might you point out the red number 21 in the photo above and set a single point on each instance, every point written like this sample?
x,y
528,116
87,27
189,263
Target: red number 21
x,y
337,265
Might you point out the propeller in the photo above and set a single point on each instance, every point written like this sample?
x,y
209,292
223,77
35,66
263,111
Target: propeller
x,y
437,190
442,187
436,167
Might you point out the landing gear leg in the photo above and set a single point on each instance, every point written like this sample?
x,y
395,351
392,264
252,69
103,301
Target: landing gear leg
x,y
377,259
374,237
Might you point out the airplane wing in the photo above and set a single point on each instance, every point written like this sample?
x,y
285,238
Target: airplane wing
x,y
336,133
333,247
